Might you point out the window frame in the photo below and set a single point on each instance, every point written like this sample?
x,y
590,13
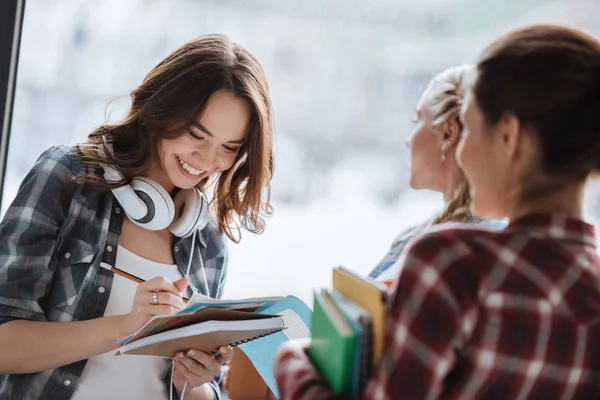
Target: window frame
x,y
11,26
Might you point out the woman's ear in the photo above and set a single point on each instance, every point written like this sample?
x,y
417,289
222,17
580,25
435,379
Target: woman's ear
x,y
451,133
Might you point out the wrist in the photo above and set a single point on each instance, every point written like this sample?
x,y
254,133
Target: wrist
x,y
117,328
204,392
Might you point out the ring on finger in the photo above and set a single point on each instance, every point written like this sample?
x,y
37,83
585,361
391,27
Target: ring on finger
x,y
155,298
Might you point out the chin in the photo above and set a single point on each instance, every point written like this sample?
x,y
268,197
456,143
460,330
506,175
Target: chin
x,y
179,181
414,184
184,184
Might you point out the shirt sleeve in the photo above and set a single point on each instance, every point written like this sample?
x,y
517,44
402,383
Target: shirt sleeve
x,y
216,258
28,234
216,265
297,377
431,314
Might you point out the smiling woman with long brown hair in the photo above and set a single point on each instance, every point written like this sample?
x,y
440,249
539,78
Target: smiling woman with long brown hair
x,y
132,198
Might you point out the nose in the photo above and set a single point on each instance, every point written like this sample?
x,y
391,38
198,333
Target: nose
x,y
208,159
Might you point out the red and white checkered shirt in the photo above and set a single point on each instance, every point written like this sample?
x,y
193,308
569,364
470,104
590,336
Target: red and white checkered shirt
x,y
485,315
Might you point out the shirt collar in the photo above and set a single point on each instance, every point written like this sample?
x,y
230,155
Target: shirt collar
x,y
555,226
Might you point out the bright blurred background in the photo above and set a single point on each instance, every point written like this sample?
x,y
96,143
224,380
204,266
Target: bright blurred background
x,y
344,74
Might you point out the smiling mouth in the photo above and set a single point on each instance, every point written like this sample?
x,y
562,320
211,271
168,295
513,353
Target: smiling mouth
x,y
187,167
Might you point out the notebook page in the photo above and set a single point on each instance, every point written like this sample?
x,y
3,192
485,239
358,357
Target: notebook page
x,y
296,328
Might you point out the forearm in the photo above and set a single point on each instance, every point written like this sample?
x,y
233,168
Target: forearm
x,y
31,346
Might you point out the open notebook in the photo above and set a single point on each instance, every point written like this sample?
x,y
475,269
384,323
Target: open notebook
x,y
205,324
206,336
190,314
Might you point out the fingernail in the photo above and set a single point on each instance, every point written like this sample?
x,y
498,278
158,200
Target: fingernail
x,y
191,353
223,350
180,294
180,355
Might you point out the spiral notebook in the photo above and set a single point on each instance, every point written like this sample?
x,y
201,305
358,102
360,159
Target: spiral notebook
x,y
193,313
212,328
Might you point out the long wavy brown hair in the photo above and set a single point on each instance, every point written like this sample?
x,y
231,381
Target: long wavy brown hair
x,y
170,98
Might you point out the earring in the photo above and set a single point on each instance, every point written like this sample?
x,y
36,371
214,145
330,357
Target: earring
x,y
444,147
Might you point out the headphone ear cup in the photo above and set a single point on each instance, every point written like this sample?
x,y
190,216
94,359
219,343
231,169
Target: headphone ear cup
x,y
160,205
191,208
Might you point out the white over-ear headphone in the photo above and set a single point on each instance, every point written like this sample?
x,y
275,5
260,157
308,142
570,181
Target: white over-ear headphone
x,y
148,205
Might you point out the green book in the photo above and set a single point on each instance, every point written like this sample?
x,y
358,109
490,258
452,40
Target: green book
x,y
333,344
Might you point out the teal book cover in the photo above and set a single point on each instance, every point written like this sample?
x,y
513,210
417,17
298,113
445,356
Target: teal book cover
x,y
297,317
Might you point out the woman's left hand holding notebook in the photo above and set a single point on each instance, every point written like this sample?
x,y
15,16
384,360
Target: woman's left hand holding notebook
x,y
197,367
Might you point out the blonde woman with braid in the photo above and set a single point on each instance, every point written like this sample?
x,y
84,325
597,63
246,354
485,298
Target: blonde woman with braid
x,y
433,165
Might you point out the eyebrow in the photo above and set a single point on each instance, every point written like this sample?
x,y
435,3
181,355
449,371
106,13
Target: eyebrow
x,y
201,127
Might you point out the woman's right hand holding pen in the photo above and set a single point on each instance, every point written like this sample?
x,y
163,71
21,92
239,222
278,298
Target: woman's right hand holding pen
x,y
156,296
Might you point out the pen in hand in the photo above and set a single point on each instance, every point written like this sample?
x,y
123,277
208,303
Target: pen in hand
x,y
134,278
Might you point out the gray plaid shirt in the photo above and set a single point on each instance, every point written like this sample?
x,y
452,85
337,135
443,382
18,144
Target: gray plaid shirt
x,y
50,261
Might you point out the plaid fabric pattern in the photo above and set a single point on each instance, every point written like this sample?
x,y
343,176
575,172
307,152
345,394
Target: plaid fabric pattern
x,y
485,315
50,261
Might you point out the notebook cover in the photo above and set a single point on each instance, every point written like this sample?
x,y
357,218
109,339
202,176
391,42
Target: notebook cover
x,y
207,314
206,342
360,320
368,294
331,350
188,315
243,380
296,316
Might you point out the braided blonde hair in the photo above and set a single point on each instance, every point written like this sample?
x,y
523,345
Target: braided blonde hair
x,y
447,92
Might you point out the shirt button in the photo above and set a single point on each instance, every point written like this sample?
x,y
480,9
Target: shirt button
x,y
67,255
118,210
67,382
109,248
101,289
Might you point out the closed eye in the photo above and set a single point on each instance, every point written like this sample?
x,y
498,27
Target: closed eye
x,y
194,136
232,149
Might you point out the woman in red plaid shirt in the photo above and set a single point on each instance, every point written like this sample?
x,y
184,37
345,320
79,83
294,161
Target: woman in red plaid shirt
x,y
513,314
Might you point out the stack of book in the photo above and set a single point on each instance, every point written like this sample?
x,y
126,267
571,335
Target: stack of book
x,y
347,331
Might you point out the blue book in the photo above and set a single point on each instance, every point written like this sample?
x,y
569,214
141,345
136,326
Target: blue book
x,y
261,352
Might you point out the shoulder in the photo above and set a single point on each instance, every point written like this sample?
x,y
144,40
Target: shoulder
x,y
58,161
42,190
60,153
492,224
52,170
410,232
465,247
